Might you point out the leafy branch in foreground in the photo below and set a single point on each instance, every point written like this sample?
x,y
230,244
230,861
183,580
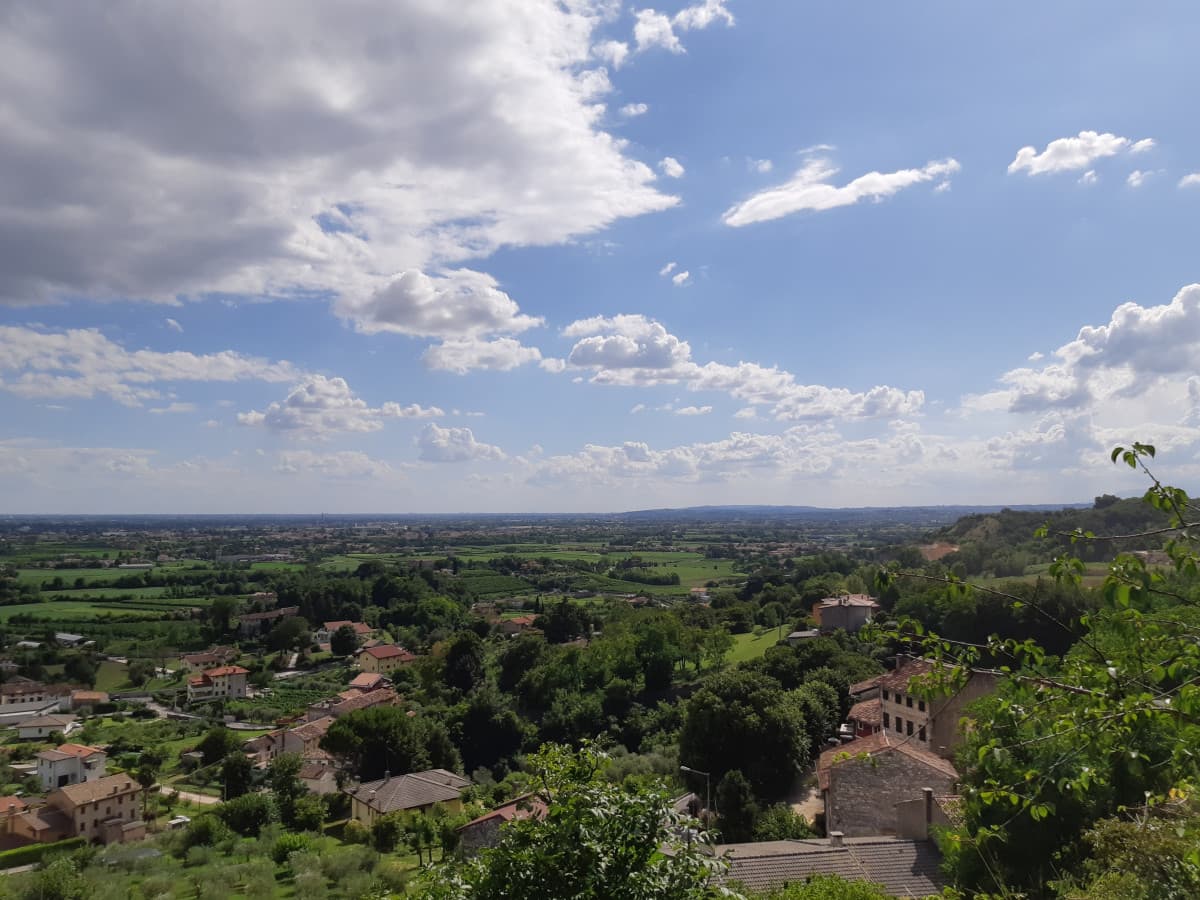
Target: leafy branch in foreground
x,y
1111,727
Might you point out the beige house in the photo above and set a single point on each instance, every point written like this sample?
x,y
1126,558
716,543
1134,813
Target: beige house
x,y
930,719
105,811
209,659
221,683
384,658
414,792
484,831
70,764
849,612
340,705
325,633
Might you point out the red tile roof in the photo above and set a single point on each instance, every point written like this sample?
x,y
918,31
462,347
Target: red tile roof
x,y
389,651
367,680
12,804
225,670
524,807
898,679
869,712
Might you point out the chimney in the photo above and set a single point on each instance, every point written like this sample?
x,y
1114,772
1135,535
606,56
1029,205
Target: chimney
x,y
835,838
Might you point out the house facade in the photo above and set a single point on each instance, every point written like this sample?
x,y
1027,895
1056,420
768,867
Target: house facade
x,y
414,792
70,764
25,695
930,718
484,831
221,683
40,727
107,810
251,625
849,612
863,782
384,659
325,633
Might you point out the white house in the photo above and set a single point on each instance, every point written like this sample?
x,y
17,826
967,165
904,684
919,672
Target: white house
x,y
70,764
44,726
221,683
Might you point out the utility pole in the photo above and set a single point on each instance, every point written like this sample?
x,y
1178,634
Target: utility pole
x,y
707,785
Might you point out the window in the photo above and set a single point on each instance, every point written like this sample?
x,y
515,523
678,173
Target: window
x,y
886,720
899,724
921,734
908,727
921,706
885,695
908,702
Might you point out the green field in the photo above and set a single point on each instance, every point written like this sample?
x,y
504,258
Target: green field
x,y
69,611
751,646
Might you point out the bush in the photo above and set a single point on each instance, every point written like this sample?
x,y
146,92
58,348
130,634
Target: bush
x,y
206,831
387,832
27,856
288,844
355,832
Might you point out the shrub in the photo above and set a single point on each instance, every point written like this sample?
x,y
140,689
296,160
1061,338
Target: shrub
x,y
247,814
34,853
355,832
206,831
288,844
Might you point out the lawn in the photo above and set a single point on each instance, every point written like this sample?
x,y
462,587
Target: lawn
x,y
751,646
111,676
68,611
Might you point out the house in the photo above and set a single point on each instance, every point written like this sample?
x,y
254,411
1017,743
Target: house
x,y
341,706
414,792
865,690
221,683
20,694
863,781
107,810
305,739
484,831
209,659
10,808
325,633
368,681
384,659
799,637
251,625
866,717
66,639
70,764
87,698
849,612
930,716
318,777
917,818
517,625
903,868
44,726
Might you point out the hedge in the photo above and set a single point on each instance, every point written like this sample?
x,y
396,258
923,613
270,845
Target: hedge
x,y
33,853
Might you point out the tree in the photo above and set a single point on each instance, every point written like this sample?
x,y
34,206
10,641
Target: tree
x,y
283,776
344,641
387,831
596,840
290,634
564,622
827,887
218,743
140,671
146,774
248,814
237,775
80,669
220,611
742,720
487,730
464,661
781,823
737,812
386,739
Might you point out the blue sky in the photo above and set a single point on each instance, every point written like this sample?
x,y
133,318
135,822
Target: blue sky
x,y
589,256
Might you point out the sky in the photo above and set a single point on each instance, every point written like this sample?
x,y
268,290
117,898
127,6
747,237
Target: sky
x,y
587,256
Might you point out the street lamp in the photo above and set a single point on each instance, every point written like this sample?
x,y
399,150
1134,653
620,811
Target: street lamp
x,y
707,785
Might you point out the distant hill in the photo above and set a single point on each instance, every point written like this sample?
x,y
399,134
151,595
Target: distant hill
x,y
1003,542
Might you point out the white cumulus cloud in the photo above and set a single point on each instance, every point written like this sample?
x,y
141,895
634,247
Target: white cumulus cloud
x,y
438,444
1073,153
679,279
319,407
463,355
633,110
810,190
671,167
1190,180
339,464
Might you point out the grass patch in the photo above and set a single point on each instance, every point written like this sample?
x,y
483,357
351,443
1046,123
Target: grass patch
x,y
751,646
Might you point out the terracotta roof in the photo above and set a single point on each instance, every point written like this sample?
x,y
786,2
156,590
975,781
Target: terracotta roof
x,y
861,687
903,868
47,818
67,751
313,730
520,620
364,700
367,680
897,680
91,791
312,771
389,651
875,744
360,628
868,712
225,670
12,804
412,791
89,696
16,688
524,807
